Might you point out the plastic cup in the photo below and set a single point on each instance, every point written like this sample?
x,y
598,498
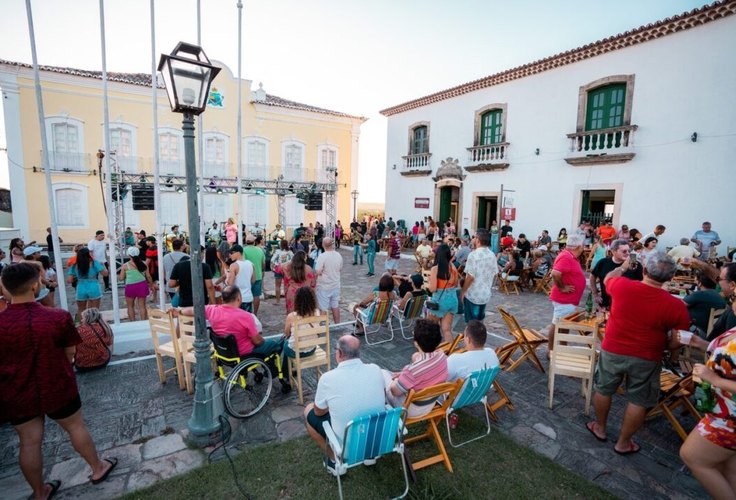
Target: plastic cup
x,y
684,336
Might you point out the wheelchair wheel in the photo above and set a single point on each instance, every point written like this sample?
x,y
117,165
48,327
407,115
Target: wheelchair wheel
x,y
247,388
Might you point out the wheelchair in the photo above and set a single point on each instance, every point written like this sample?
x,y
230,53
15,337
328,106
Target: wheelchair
x,y
248,384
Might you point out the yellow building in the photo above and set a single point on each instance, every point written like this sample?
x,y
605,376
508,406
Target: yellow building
x,y
280,137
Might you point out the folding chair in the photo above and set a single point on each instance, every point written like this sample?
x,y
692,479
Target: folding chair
x,y
376,315
308,333
525,339
508,283
450,347
674,392
438,412
544,284
573,356
474,391
503,400
713,317
412,310
367,438
162,323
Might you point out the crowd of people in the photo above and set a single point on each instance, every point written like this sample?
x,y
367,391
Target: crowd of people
x,y
623,271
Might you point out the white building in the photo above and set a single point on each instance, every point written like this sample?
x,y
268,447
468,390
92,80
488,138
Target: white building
x,y
641,126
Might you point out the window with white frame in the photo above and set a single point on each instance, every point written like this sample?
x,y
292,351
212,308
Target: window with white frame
x,y
256,210
256,159
71,205
293,161
170,153
66,143
122,141
326,161
217,208
174,209
215,155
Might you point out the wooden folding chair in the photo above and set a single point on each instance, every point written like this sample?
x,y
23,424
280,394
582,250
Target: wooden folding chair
x,y
433,393
544,284
503,400
713,317
162,323
573,356
376,314
525,339
509,284
308,333
412,310
674,392
451,347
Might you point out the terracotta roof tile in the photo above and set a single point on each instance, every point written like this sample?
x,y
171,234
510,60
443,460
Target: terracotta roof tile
x,y
144,79
273,100
687,20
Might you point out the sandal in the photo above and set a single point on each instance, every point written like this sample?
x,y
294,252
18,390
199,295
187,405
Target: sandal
x,y
635,448
55,485
591,428
113,462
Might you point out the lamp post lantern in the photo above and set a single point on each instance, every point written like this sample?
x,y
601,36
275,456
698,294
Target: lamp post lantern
x,y
354,193
188,74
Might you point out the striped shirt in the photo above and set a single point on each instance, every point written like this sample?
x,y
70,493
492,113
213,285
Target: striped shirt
x,y
430,369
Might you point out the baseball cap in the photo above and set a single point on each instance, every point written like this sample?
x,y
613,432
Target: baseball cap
x,y
28,251
250,239
236,248
133,252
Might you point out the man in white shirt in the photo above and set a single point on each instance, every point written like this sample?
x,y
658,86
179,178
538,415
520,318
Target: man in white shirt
x,y
328,268
423,253
658,231
476,357
241,273
480,270
350,390
706,240
98,249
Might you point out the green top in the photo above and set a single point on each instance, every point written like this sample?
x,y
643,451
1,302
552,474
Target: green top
x,y
133,275
256,256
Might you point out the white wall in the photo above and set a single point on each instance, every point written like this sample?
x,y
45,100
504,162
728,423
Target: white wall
x,y
684,83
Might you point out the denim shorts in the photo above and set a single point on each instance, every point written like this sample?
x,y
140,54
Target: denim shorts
x,y
257,288
447,300
88,290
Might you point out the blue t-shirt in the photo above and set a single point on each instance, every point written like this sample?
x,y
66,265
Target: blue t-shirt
x,y
94,269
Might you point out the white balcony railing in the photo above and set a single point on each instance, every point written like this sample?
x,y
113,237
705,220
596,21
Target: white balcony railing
x,y
488,154
293,174
602,141
171,166
417,162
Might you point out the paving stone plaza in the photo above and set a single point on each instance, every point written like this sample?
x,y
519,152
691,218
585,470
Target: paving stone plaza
x,y
133,417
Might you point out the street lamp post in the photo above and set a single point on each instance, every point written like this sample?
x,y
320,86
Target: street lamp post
x,y
188,74
354,193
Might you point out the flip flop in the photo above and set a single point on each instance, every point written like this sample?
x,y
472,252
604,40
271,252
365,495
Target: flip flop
x,y
113,462
635,448
55,485
589,426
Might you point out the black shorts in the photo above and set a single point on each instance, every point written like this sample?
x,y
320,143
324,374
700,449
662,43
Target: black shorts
x,y
65,411
315,422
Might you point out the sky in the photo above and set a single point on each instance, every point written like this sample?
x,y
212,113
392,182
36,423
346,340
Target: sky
x,y
347,55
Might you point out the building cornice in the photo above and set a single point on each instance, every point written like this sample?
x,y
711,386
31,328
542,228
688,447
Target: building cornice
x,y
668,26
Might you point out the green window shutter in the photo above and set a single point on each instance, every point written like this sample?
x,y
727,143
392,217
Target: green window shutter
x,y
491,127
419,143
605,107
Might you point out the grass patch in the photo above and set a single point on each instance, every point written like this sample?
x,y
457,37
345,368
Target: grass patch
x,y
493,467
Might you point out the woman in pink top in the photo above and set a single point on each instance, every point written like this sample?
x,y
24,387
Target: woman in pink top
x,y
231,231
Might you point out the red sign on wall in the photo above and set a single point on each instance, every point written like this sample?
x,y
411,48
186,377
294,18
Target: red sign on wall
x,y
508,214
421,202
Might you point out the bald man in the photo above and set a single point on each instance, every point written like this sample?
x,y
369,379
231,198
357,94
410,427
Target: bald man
x,y
337,401
328,267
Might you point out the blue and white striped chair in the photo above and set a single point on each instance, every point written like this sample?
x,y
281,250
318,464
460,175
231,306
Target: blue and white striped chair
x,y
367,438
474,390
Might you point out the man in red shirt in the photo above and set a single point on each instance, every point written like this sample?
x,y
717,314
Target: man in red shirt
x,y
607,232
37,345
569,283
642,314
